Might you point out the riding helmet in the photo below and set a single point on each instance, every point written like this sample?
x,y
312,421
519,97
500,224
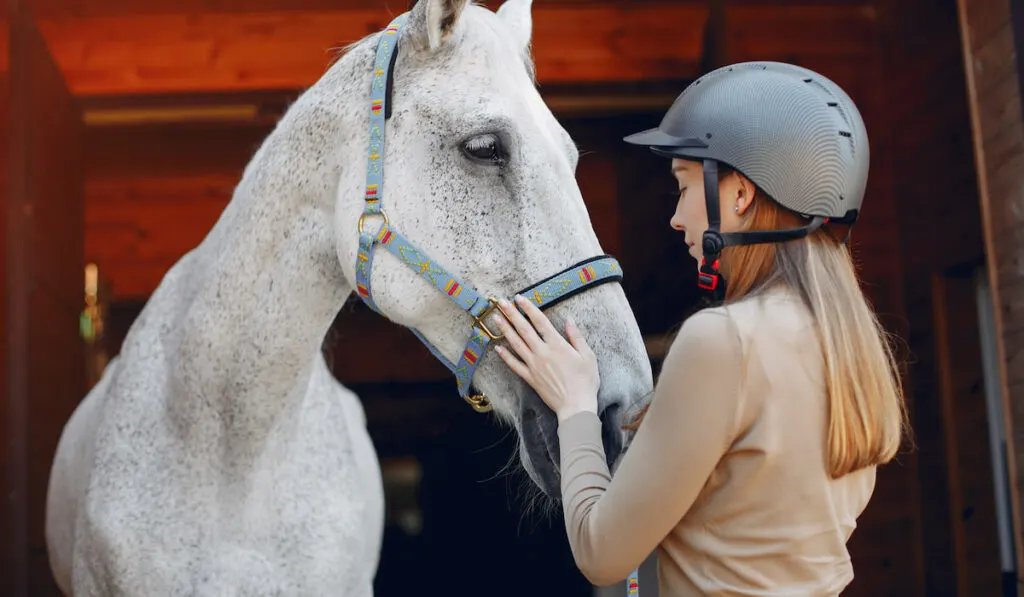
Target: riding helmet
x,y
791,131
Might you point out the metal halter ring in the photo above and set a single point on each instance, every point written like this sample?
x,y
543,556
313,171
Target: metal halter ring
x,y
479,402
362,219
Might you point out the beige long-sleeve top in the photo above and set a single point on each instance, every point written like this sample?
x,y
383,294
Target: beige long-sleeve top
x,y
726,478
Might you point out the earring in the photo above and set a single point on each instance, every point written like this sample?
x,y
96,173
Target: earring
x,y
736,209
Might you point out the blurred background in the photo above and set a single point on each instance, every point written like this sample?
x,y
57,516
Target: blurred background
x,y
127,124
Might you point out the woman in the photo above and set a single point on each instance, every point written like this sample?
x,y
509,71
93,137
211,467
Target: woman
x,y
757,452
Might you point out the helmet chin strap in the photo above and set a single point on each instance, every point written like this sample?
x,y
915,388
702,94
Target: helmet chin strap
x,y
709,277
714,240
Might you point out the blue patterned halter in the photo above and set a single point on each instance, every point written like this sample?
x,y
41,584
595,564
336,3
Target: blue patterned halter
x,y
550,291
558,287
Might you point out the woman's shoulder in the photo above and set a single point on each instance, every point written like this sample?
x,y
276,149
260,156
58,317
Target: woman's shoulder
x,y
731,329
779,310
709,335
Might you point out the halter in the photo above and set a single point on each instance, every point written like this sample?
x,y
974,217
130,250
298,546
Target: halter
x,y
545,294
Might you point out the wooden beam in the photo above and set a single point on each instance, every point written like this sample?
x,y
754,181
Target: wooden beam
x,y
715,51
107,8
972,502
44,358
998,140
574,43
217,52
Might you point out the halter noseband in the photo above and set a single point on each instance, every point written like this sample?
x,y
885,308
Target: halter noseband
x,y
545,294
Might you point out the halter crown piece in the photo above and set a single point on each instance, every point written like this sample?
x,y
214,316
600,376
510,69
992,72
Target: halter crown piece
x,y
545,294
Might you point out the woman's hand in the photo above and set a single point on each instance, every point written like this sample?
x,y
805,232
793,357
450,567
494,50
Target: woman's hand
x,y
564,375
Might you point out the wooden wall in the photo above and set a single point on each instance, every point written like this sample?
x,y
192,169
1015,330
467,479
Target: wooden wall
x,y
929,529
993,35
8,558
940,242
44,358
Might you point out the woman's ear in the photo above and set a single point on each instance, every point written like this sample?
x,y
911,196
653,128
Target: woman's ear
x,y
745,192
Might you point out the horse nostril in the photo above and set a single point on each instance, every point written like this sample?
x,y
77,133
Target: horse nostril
x,y
611,432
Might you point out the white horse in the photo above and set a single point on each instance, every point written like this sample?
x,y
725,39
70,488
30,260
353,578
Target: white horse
x,y
218,456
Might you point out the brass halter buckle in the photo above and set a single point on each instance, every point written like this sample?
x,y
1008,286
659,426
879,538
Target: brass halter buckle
x,y
479,402
481,320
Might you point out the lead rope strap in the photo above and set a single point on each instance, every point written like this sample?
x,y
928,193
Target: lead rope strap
x,y
633,583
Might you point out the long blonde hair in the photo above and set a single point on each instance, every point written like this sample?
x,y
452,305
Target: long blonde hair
x,y
867,416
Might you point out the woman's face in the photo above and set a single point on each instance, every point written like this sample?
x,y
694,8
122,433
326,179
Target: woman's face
x,y
735,194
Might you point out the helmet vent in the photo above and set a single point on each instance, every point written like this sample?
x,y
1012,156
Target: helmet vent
x,y
849,138
842,113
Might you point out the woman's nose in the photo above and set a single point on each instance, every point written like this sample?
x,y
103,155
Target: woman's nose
x,y
676,222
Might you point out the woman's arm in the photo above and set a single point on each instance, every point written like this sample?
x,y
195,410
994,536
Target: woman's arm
x,y
693,418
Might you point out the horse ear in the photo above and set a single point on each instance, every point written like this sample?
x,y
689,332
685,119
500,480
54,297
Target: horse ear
x,y
517,17
434,20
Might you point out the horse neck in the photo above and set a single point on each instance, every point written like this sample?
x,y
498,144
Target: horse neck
x,y
267,279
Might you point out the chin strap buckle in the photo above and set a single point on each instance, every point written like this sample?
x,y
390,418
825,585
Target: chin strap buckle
x,y
708,278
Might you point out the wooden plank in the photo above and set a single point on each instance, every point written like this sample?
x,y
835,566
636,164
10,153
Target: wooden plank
x,y
786,31
572,43
106,8
921,127
972,512
11,559
999,197
46,360
993,60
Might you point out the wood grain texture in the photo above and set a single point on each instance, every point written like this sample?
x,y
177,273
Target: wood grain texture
x,y
203,48
998,144
45,356
205,51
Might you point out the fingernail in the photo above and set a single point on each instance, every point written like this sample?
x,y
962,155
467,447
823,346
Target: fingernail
x,y
520,299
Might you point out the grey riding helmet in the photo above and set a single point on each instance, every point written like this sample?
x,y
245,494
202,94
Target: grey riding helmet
x,y
794,133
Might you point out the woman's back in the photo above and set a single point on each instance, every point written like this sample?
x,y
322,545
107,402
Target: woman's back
x,y
730,462
770,515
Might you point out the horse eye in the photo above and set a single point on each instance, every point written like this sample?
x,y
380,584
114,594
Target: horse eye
x,y
486,149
